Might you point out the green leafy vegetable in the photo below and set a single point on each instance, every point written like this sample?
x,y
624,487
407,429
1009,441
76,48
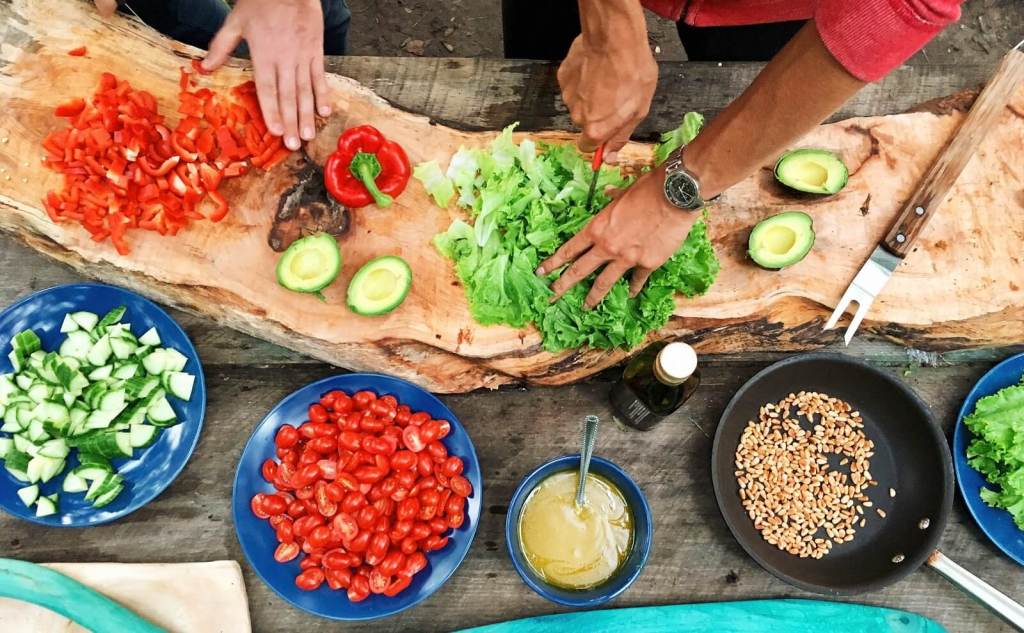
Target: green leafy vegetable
x,y
435,182
673,140
997,451
527,201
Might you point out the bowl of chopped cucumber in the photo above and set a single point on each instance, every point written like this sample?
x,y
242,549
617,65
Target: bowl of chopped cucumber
x,y
101,400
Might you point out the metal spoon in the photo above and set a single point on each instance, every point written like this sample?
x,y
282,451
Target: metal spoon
x,y
589,437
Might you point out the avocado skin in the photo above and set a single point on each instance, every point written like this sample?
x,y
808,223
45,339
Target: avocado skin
x,y
838,174
354,296
802,226
319,241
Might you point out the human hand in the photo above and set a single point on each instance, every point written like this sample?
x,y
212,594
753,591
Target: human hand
x,y
638,230
106,7
608,79
285,40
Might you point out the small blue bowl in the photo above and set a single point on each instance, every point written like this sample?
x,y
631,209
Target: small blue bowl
x,y
996,523
151,470
259,541
643,532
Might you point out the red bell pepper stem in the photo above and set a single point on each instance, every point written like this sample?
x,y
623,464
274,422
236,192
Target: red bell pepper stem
x,y
366,168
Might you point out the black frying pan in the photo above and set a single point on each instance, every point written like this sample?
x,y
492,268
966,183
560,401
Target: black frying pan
x,y
911,456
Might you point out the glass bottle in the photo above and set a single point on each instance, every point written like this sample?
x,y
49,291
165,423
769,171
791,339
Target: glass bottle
x,y
654,384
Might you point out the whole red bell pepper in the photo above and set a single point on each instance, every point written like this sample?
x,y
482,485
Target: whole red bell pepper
x,y
366,168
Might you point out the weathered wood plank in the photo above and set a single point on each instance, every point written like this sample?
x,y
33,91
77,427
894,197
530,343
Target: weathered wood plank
x,y
490,93
694,558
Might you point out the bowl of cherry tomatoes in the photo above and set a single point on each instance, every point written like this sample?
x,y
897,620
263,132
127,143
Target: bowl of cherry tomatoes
x,y
357,497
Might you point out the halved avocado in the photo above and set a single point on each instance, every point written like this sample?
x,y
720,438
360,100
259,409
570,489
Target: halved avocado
x,y
781,240
310,264
812,171
379,286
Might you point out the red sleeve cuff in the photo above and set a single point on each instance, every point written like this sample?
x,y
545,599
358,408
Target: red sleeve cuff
x,y
872,37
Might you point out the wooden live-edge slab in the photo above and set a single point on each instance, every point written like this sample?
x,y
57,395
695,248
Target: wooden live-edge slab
x,y
957,291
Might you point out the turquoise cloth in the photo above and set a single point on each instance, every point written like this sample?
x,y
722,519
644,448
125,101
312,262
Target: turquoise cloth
x,y
55,591
752,616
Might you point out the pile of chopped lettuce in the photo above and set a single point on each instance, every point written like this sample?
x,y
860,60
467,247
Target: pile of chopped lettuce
x,y
525,201
997,451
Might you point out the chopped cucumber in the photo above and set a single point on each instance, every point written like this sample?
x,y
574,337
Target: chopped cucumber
x,y
156,362
68,325
74,483
161,413
175,360
76,345
94,394
85,320
122,348
180,385
28,495
142,435
151,338
104,498
46,506
100,352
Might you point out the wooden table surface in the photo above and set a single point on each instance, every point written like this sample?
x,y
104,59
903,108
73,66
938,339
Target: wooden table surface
x,y
694,559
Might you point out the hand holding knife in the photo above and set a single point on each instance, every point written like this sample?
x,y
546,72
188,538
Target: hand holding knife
x,y
595,166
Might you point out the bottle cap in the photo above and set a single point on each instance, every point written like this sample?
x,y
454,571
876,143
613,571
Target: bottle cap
x,y
676,362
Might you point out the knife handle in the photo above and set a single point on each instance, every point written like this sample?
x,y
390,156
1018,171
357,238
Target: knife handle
x,y
595,162
939,179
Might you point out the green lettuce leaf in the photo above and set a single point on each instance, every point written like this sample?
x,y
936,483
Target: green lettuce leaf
x,y
524,202
673,140
997,450
438,185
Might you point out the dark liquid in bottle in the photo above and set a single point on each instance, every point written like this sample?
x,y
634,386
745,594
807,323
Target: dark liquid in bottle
x,y
640,400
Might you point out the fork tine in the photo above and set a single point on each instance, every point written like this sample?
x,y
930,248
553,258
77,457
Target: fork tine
x,y
862,309
841,307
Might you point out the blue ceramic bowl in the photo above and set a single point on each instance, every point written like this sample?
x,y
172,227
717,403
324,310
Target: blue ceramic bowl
x,y
258,539
643,532
151,470
996,523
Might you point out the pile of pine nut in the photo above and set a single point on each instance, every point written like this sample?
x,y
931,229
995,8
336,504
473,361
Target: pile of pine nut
x,y
796,500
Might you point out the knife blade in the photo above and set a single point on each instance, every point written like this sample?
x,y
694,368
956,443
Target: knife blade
x,y
595,166
930,192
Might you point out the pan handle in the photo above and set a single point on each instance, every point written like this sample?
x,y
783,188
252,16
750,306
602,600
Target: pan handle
x,y
998,602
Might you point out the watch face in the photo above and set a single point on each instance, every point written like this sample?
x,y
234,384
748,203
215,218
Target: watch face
x,y
681,190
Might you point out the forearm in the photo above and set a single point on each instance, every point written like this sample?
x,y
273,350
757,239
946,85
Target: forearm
x,y
612,23
795,92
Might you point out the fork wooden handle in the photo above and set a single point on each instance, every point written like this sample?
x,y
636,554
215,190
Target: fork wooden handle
x,y
939,179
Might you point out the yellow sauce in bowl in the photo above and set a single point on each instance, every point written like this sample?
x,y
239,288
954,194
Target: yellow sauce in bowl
x,y
570,547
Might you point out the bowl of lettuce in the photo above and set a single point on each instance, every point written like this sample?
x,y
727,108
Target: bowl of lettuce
x,y
988,453
521,201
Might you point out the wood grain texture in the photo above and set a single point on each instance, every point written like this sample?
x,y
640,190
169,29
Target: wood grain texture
x,y
224,272
694,558
931,192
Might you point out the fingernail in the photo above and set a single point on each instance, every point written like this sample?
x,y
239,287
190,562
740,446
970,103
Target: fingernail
x,y
325,110
540,270
292,143
307,133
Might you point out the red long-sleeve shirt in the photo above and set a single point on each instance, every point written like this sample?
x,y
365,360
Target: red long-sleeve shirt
x,y
868,37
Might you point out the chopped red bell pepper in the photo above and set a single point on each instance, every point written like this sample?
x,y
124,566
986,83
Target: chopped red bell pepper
x,y
78,52
124,168
366,168
70,108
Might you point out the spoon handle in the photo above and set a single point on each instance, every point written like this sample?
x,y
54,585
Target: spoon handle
x,y
589,437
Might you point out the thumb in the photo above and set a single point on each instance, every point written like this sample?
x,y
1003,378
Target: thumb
x,y
223,44
106,7
616,143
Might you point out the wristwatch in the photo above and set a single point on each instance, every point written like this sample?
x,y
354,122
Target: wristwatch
x,y
682,189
